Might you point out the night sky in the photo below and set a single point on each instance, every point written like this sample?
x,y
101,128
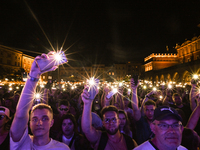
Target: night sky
x,y
98,31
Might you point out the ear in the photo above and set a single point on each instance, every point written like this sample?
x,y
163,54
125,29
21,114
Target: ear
x,y
152,126
52,122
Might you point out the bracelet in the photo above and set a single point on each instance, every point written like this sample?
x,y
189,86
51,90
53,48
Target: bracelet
x,y
33,79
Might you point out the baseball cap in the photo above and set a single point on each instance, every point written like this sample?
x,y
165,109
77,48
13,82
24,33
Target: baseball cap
x,y
4,111
162,112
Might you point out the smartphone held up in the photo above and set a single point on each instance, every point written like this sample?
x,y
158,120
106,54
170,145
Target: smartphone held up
x,y
54,59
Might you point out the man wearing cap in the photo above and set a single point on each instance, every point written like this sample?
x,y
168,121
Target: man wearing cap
x,y
167,127
4,130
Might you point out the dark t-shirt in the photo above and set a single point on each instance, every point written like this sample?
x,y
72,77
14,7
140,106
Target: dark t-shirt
x,y
143,130
6,143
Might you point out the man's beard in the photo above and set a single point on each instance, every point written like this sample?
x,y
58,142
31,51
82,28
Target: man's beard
x,y
113,132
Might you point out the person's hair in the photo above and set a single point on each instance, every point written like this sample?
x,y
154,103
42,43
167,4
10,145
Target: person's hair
x,y
109,108
150,102
73,119
189,139
175,94
63,102
126,128
42,106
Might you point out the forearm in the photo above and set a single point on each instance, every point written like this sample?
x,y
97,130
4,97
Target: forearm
x,y
86,121
136,110
22,111
192,122
192,98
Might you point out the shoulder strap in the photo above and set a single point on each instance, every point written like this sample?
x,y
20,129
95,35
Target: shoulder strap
x,y
103,141
129,142
72,140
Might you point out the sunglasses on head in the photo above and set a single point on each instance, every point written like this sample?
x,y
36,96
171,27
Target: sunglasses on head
x,y
1,117
65,109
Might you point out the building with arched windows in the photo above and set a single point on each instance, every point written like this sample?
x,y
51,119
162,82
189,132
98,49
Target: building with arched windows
x,y
176,67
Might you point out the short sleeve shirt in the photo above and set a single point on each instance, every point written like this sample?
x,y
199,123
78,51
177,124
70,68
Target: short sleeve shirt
x,y
26,143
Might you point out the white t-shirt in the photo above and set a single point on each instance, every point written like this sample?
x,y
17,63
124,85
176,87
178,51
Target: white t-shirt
x,y
147,145
26,143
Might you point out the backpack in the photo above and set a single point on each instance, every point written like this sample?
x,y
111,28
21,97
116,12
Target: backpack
x,y
104,139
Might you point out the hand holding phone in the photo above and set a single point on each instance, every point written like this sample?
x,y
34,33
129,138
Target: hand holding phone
x,y
93,84
54,59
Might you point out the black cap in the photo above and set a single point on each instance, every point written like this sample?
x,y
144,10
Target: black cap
x,y
162,112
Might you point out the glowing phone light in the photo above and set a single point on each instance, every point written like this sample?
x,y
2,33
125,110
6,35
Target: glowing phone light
x,y
37,96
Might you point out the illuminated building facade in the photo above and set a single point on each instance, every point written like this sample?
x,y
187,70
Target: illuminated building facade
x,y
175,67
13,62
160,61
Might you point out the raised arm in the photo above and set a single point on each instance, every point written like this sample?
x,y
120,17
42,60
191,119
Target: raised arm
x,y
194,117
134,99
25,103
86,121
192,95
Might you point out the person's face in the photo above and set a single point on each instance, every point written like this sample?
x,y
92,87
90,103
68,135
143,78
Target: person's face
x,y
111,122
126,102
122,119
41,121
63,110
8,103
177,100
149,111
67,127
3,120
169,138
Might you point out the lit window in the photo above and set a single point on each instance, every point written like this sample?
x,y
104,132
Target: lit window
x,y
43,77
49,77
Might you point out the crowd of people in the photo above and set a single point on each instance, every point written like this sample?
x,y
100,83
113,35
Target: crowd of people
x,y
162,119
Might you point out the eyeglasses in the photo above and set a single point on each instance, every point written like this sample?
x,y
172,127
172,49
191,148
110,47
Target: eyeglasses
x,y
164,126
1,117
65,109
113,120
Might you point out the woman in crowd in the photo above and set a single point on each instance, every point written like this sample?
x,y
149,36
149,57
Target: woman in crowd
x,y
124,123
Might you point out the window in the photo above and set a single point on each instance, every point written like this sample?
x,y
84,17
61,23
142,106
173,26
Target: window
x,y
43,77
49,77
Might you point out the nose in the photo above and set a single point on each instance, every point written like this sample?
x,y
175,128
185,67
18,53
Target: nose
x,y
39,122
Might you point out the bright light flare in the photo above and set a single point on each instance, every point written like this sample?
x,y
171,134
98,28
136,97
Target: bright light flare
x,y
10,89
37,95
91,81
57,57
120,84
154,88
195,76
169,86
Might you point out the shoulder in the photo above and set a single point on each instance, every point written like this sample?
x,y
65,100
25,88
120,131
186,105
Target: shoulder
x,y
181,148
145,145
59,145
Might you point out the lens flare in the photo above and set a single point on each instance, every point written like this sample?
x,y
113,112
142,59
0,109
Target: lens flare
x,y
37,96
195,76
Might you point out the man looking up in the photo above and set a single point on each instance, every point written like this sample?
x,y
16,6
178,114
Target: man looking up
x,y
41,117
143,130
167,127
112,139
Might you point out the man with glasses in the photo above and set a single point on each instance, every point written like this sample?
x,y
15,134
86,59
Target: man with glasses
x,y
111,139
167,127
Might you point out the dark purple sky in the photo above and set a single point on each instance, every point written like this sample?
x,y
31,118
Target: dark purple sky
x,y
102,31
